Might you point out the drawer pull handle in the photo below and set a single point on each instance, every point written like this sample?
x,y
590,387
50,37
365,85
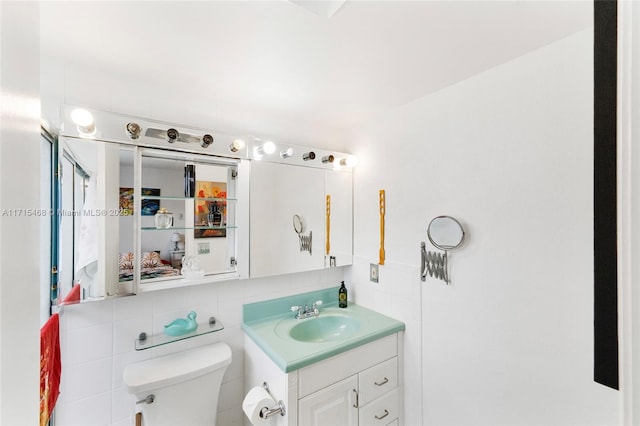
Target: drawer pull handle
x,y
384,382
386,413
357,399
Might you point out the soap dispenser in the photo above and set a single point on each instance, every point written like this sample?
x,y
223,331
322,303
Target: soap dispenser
x,y
342,296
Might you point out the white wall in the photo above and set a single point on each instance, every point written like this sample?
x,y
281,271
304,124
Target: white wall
x,y
629,204
509,153
20,262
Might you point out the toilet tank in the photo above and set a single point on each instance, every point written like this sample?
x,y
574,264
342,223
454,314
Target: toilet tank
x,y
185,385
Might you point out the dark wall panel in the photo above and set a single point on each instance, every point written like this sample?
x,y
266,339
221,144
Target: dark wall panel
x,y
605,226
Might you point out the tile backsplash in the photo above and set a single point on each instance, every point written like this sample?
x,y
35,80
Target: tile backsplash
x,y
97,342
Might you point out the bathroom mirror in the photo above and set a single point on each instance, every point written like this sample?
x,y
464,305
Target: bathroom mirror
x,y
339,217
278,192
101,218
317,201
149,176
131,206
445,233
297,224
90,220
202,214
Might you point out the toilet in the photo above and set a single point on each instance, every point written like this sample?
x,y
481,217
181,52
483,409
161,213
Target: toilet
x,y
185,386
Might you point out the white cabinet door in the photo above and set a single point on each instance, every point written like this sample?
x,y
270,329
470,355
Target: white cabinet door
x,y
332,406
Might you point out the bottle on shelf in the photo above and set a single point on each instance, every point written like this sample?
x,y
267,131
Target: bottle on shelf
x,y
214,217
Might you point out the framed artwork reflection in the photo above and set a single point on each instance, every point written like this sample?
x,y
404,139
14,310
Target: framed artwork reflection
x,y
210,209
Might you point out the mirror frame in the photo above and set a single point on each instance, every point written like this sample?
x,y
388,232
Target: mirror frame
x,y
443,246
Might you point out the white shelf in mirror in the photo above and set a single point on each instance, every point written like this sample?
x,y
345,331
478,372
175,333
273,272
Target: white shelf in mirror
x,y
153,228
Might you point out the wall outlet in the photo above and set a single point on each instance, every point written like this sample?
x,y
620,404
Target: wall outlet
x,y
373,272
203,248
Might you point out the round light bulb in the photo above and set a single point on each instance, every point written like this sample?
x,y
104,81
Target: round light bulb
x,y
350,161
286,153
82,117
269,147
237,145
84,121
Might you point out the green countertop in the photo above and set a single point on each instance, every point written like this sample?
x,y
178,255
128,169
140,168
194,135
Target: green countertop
x,y
268,324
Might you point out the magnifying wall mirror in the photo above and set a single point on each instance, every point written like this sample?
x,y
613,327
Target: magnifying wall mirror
x,y
445,233
297,224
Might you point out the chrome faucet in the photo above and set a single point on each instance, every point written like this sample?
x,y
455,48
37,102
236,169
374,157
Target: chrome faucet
x,y
305,311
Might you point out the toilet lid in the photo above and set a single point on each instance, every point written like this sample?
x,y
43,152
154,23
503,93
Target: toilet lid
x,y
175,368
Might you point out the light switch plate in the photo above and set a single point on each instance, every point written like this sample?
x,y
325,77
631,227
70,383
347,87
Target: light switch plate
x,y
203,248
373,272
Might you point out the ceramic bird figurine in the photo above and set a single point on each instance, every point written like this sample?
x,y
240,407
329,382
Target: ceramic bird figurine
x,y
182,326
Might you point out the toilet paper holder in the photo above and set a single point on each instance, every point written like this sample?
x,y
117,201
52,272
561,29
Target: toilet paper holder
x,y
267,412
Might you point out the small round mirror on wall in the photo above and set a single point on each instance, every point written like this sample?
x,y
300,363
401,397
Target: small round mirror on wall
x,y
297,224
445,233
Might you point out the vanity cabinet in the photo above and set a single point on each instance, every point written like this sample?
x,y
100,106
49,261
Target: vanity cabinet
x,y
368,398
334,405
361,386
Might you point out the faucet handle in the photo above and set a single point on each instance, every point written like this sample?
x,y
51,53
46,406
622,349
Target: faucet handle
x,y
317,303
295,308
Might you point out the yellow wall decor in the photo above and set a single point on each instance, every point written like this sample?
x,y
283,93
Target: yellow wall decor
x,y
328,221
382,212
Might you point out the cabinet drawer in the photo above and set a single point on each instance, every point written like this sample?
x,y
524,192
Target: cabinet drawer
x,y
323,373
378,380
380,412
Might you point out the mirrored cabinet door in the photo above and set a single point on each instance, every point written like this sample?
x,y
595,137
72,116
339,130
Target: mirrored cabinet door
x,y
339,190
187,218
134,219
279,243
90,219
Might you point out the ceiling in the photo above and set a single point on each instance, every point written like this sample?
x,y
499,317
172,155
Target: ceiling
x,y
281,59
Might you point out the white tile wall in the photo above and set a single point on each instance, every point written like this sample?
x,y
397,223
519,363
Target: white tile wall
x,y
396,294
97,341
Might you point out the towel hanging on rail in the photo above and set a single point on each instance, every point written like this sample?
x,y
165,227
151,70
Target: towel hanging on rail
x,y
50,367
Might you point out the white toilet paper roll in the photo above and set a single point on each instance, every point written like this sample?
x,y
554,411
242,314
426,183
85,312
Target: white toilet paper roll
x,y
256,399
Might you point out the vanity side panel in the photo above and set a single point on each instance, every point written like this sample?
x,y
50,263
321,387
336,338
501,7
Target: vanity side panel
x,y
336,368
401,371
258,368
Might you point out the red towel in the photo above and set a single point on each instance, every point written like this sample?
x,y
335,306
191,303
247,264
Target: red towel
x,y
73,296
50,367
